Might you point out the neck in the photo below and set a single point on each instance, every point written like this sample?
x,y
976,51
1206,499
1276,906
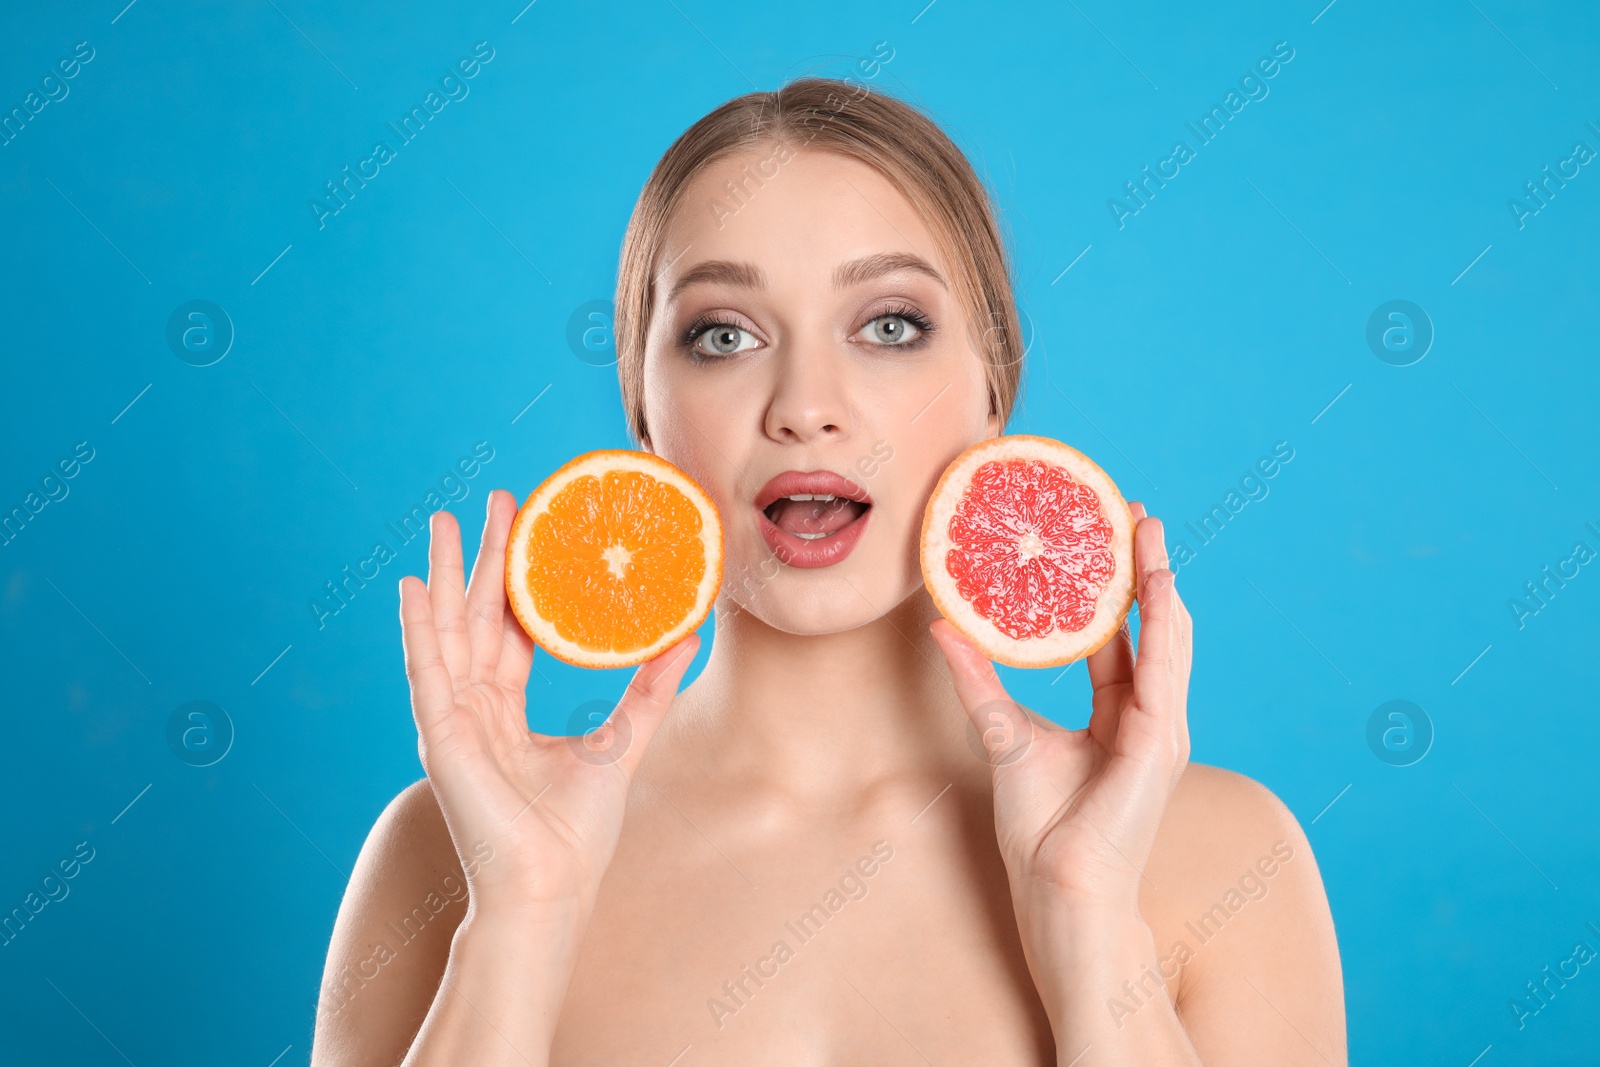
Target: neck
x,y
823,715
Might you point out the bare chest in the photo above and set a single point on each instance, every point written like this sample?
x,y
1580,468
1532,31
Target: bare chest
x,y
881,944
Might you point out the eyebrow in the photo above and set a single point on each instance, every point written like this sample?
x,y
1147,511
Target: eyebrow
x,y
743,275
855,272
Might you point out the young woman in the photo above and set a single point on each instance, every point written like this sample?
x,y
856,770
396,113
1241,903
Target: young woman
x,y
809,856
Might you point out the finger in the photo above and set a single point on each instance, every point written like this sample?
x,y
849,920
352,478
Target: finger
x,y
1183,642
486,595
1005,728
1149,554
516,653
1183,630
1152,734
1186,630
1151,551
447,593
452,751
1110,674
432,695
1156,670
1149,559
1112,663
648,698
976,682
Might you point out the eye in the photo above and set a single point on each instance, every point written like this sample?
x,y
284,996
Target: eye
x,y
902,327
714,339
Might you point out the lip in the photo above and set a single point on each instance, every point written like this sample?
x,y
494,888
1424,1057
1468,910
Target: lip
x,y
798,551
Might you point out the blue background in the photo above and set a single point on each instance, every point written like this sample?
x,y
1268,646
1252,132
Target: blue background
x,y
373,353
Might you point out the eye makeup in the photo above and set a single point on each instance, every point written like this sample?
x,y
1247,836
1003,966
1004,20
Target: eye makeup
x,y
706,322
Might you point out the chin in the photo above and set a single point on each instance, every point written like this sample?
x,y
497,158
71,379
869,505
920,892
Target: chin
x,y
813,603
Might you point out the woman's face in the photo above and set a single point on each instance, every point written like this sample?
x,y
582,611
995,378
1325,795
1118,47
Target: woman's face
x,y
806,324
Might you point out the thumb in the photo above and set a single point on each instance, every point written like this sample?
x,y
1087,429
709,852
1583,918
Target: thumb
x,y
1004,726
646,701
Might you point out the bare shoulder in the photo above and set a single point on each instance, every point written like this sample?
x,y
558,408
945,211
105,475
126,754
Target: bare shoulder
x,y
391,940
1215,813
1242,924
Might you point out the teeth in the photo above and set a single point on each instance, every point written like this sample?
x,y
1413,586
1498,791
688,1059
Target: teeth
x,y
811,496
811,537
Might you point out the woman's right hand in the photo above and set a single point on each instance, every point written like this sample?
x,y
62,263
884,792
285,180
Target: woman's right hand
x,y
535,818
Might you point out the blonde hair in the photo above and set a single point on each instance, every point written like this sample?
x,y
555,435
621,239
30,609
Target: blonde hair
x,y
889,135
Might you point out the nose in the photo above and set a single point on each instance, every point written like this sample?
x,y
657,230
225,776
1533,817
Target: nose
x,y
809,398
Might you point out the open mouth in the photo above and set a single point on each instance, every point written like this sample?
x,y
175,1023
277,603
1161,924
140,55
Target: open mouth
x,y
812,518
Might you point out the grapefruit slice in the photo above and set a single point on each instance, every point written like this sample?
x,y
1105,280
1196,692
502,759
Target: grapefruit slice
x,y
613,559
1027,548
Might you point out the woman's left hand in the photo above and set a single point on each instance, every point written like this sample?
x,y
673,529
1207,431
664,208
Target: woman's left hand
x,y
1076,811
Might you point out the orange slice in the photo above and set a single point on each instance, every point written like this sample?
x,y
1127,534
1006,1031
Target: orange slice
x,y
613,559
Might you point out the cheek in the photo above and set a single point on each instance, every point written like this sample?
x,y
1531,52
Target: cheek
x,y
699,400
923,459
941,416
697,427
918,448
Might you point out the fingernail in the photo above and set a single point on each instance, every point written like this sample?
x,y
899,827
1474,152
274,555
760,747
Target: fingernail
x,y
488,505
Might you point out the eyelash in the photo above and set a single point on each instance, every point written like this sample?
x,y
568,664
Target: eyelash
x,y
925,328
924,325
700,326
